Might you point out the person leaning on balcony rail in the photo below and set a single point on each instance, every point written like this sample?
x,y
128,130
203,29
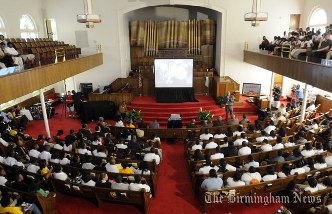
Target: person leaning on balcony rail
x,y
323,47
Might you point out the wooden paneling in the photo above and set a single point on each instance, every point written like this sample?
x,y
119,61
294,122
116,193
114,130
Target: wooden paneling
x,y
132,84
317,75
325,103
117,98
20,84
223,85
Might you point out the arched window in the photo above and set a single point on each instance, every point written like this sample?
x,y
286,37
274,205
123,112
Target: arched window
x,y
28,27
2,27
318,20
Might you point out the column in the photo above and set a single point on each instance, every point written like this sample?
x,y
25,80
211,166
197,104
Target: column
x,y
271,90
42,101
304,103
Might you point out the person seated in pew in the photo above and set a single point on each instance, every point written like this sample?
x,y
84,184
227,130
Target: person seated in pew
x,y
154,125
59,174
34,151
152,156
308,164
64,159
251,162
218,122
207,166
219,134
318,148
141,124
96,141
118,184
198,155
7,207
270,174
265,146
239,131
213,182
33,166
82,149
103,181
192,124
19,183
263,136
282,110
206,135
290,142
75,161
229,132
126,169
100,152
231,150
313,126
298,168
239,141
313,185
285,171
17,59
87,163
211,144
223,144
10,159
233,121
279,158
235,181
252,173
245,149
320,162
142,169
311,107
121,144
3,142
279,144
244,120
225,167
270,127
218,154
328,159
88,179
250,129
112,167
308,150
46,155
3,179
55,158
326,183
197,145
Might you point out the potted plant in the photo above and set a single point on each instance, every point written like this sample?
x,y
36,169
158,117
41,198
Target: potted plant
x,y
204,116
133,115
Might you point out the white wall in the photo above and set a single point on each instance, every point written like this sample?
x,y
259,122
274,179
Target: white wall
x,y
310,5
11,12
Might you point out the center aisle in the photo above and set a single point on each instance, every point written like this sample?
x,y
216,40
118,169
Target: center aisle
x,y
175,193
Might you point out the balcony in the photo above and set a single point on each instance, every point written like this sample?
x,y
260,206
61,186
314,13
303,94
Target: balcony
x,y
22,83
317,75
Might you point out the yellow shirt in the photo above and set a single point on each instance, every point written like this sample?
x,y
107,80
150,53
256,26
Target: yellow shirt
x,y
12,210
127,171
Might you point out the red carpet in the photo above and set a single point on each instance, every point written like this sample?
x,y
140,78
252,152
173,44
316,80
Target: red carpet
x,y
151,110
174,185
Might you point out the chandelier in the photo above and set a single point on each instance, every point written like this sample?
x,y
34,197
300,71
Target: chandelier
x,y
255,16
88,18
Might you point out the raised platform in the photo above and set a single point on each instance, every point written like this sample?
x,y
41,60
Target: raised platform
x,y
151,110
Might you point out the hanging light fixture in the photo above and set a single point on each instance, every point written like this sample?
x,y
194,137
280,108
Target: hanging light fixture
x,y
88,17
255,16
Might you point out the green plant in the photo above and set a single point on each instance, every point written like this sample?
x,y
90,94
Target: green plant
x,y
133,115
220,100
204,115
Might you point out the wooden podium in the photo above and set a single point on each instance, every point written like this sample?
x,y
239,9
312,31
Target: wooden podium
x,y
224,84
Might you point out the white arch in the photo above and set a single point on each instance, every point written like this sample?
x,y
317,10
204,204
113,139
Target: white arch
x,y
123,30
25,30
313,11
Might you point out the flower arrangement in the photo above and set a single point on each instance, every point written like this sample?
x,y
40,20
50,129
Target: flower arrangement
x,y
133,115
204,115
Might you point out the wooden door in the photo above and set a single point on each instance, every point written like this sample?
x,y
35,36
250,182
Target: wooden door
x,y
278,80
294,23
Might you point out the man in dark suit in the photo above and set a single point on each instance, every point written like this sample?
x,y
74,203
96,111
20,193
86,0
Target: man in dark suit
x,y
218,122
229,101
231,150
85,131
192,124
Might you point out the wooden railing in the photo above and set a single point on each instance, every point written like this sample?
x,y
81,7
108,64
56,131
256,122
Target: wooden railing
x,y
117,98
317,75
20,84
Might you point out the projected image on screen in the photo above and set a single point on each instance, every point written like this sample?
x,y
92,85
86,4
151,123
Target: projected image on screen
x,y
173,73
